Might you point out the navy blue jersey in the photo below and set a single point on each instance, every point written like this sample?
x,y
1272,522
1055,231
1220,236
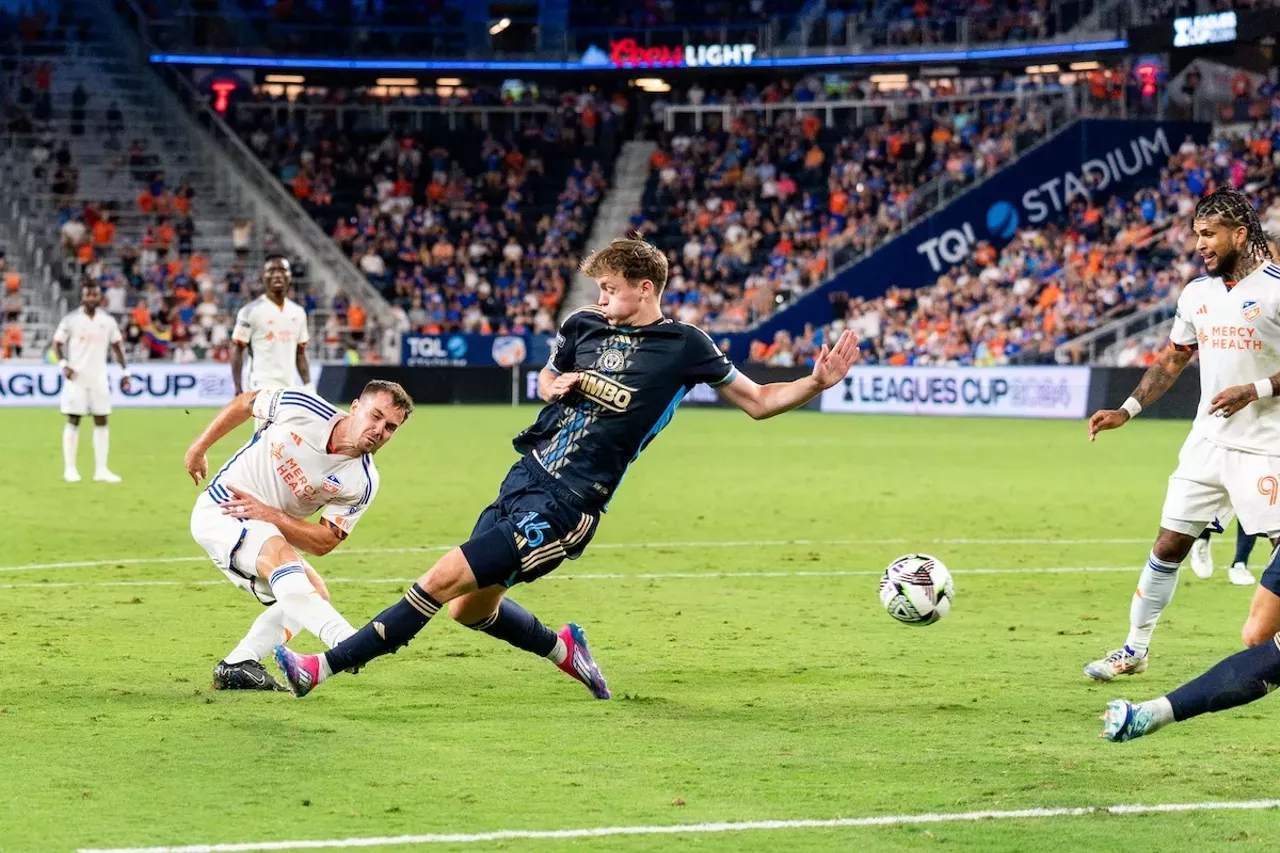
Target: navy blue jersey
x,y
632,380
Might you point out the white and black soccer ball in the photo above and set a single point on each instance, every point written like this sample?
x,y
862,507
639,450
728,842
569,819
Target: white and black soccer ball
x,y
917,589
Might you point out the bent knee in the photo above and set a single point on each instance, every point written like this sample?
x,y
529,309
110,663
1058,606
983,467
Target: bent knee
x,y
1254,633
471,613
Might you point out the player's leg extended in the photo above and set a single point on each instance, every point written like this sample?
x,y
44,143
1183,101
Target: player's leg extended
x,y
1155,590
70,444
279,564
1238,680
449,578
490,611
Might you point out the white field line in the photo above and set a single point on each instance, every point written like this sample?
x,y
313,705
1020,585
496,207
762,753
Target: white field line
x,y
743,826
604,546
614,576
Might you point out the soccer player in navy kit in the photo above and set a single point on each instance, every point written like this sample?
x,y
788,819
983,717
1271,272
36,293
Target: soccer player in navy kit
x,y
617,372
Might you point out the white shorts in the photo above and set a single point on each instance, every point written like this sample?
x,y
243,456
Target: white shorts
x,y
1213,483
233,545
86,398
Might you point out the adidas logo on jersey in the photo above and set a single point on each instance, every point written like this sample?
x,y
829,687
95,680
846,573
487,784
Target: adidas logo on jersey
x,y
1204,309
297,439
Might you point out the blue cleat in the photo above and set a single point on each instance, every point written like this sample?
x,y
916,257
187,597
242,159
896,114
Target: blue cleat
x,y
1123,721
579,663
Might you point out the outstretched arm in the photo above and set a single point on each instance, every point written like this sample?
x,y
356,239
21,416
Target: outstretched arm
x,y
765,401
235,413
1158,379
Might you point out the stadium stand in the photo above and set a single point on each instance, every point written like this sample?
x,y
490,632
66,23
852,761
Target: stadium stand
x,y
756,211
909,23
461,228
1028,301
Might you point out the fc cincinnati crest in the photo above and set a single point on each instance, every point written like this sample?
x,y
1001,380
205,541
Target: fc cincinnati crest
x,y
1250,309
611,361
331,484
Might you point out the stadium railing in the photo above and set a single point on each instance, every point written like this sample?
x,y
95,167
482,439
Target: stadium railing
x,y
1090,347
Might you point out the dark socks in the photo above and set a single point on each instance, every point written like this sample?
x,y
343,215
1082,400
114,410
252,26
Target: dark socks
x,y
1244,545
517,626
1237,680
388,631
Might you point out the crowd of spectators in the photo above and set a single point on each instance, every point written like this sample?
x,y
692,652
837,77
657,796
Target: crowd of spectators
x,y
754,213
464,231
1111,257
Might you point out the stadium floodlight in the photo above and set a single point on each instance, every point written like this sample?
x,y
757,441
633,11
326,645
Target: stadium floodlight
x,y
499,26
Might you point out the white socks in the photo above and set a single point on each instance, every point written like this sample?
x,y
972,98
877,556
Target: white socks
x,y
1161,713
558,654
1155,590
272,628
300,602
70,443
101,442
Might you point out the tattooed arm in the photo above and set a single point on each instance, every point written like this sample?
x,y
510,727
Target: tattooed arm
x,y
1158,379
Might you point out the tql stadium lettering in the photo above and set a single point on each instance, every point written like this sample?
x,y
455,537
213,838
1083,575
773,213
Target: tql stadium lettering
x,y
604,391
1118,163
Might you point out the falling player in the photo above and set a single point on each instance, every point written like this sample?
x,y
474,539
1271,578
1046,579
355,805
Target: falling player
x,y
617,373
80,342
1230,462
273,329
304,456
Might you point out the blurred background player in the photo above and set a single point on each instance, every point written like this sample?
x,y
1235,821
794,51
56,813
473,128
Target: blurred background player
x,y
304,456
617,373
1238,572
81,342
1233,451
273,329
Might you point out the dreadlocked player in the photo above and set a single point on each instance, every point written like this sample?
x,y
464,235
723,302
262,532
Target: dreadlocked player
x,y
1226,466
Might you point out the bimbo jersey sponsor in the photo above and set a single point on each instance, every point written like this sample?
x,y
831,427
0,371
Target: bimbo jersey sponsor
x,y
153,385
1010,392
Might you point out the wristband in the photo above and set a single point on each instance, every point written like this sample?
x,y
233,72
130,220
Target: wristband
x,y
62,363
1264,388
1132,406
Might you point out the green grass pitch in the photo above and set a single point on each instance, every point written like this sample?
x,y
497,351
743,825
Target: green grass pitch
x,y
755,676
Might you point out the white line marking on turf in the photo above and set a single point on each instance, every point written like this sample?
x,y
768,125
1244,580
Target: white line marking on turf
x,y
682,829
615,576
613,546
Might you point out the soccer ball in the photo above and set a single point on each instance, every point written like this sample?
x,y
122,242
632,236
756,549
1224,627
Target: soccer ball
x,y
917,589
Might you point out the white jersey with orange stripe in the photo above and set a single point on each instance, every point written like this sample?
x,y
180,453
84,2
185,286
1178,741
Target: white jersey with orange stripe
x,y
287,463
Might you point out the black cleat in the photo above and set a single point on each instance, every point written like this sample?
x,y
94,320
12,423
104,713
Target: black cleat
x,y
247,675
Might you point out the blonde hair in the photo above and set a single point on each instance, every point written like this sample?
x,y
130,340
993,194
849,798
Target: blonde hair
x,y
630,257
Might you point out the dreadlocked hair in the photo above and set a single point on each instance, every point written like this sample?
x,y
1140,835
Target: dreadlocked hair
x,y
1234,210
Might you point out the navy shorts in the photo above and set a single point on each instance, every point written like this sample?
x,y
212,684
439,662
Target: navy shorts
x,y
533,526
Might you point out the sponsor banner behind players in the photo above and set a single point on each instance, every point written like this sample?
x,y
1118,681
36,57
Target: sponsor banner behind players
x,y
153,385
1090,159
1008,392
474,350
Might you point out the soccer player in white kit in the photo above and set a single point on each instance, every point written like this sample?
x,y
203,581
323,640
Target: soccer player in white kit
x,y
81,342
305,456
273,330
1230,463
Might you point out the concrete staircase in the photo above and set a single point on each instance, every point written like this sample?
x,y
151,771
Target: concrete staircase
x,y
614,216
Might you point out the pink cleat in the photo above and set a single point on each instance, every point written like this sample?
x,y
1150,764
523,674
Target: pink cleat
x,y
301,672
579,664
